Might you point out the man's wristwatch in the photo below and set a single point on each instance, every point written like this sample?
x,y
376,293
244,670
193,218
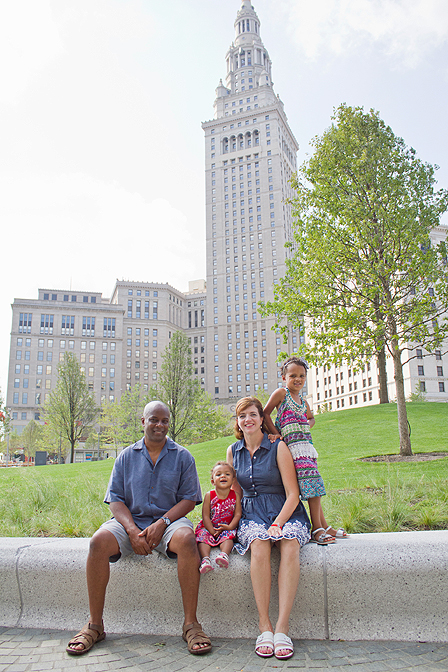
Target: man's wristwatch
x,y
166,520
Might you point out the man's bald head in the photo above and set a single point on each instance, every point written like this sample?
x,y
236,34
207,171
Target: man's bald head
x,y
152,406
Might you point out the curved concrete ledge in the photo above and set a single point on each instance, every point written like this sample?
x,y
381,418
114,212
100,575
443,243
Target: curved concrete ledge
x,y
371,586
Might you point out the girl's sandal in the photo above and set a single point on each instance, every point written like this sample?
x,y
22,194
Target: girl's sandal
x,y
205,566
88,636
322,539
340,533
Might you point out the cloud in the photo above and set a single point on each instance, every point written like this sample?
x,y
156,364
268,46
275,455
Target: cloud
x,y
75,229
29,40
404,29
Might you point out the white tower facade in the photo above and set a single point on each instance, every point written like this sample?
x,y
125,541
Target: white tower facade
x,y
250,155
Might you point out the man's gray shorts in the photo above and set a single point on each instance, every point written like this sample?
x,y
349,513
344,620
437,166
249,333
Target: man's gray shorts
x,y
125,545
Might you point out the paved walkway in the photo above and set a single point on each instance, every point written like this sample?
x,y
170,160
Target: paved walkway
x,y
23,650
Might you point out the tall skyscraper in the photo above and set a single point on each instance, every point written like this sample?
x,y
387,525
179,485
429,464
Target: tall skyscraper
x,y
250,157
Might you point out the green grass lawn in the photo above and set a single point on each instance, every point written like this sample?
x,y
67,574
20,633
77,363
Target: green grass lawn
x,y
66,500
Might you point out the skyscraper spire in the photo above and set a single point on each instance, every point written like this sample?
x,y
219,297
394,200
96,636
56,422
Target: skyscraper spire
x,y
248,64
249,159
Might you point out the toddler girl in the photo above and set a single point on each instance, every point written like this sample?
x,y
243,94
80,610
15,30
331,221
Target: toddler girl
x,y
221,512
293,422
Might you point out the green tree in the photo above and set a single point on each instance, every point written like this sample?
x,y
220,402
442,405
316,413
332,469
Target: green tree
x,y
5,427
363,273
208,421
53,441
5,420
121,420
30,437
193,413
262,395
71,409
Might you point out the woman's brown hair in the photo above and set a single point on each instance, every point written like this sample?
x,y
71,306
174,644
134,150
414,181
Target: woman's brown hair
x,y
244,403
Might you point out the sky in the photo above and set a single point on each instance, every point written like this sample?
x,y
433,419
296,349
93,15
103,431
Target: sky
x,y
101,104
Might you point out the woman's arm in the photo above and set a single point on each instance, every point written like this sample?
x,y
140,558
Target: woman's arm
x,y
275,400
285,464
236,515
235,485
309,415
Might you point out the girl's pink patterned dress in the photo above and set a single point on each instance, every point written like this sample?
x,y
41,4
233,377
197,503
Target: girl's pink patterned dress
x,y
221,513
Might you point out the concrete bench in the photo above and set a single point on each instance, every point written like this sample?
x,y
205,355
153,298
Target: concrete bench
x,y
371,586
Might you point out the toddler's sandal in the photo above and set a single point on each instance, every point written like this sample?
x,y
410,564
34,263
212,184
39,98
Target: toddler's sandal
x,y
205,566
222,560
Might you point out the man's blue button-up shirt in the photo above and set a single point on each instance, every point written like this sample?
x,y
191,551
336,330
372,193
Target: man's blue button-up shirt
x,y
150,491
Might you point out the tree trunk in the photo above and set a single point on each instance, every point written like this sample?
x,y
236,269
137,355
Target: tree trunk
x,y
405,439
381,361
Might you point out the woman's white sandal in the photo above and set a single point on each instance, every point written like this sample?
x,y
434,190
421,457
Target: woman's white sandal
x,y
266,639
282,642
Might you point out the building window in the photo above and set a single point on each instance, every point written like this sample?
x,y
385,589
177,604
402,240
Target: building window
x,y
109,327
88,326
25,323
67,325
46,324
421,370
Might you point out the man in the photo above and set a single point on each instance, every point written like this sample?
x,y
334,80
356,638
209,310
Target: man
x,y
154,484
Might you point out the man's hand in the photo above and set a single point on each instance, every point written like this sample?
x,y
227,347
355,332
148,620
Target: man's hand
x,y
139,543
151,536
274,437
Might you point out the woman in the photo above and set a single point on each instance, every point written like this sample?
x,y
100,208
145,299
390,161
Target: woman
x,y
272,513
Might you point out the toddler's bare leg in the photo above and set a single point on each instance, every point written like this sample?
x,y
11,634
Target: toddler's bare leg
x,y
226,546
204,550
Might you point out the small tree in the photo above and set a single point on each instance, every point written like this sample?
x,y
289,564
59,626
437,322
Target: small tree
x,y
208,421
121,420
71,409
363,272
5,425
31,436
193,413
53,441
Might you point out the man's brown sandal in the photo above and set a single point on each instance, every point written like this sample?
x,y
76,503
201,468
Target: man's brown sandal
x,y
88,636
193,634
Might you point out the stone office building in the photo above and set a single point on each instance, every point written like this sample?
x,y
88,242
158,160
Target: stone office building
x,y
118,341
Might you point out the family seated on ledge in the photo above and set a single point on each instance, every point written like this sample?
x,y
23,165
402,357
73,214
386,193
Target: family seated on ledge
x,y
255,504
